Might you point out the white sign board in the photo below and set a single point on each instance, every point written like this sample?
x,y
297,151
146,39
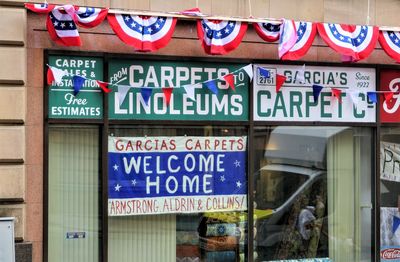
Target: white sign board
x,y
390,161
295,101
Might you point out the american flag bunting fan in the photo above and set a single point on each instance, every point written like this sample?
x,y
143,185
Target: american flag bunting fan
x,y
143,33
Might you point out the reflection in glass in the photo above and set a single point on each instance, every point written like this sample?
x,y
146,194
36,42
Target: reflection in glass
x,y
308,197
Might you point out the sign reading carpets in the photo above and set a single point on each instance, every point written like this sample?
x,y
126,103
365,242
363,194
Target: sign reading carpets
x,y
179,174
295,101
390,234
222,104
390,161
88,103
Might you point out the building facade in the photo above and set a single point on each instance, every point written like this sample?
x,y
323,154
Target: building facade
x,y
55,172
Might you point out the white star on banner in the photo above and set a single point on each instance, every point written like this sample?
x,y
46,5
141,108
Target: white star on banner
x,y
118,186
237,163
219,34
55,23
134,182
115,167
238,184
157,26
71,25
133,24
222,178
62,25
149,30
126,18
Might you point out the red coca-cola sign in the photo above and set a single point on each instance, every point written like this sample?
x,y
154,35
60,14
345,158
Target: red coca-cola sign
x,y
390,110
390,253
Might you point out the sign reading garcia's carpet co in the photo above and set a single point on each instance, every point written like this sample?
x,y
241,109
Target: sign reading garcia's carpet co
x,y
226,105
88,103
295,101
179,174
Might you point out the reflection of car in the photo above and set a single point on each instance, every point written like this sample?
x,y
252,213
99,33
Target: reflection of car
x,y
293,180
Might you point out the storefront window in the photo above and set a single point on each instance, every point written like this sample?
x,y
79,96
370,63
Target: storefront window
x,y
177,194
390,193
313,193
73,196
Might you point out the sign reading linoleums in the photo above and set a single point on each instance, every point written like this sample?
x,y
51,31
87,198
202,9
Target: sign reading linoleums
x,y
179,174
295,100
226,105
88,103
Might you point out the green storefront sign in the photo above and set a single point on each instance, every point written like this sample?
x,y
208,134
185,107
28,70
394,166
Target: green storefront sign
x,y
88,103
227,105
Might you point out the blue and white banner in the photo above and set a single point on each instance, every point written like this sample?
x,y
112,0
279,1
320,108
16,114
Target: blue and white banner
x,y
178,174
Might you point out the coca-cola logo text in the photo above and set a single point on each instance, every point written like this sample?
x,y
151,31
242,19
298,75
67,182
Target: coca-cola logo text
x,y
390,253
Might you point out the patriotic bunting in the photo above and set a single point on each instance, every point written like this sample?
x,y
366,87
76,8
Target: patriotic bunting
x,y
316,91
353,41
146,94
288,37
299,78
388,96
89,17
396,224
230,79
192,12
220,37
78,82
167,94
55,74
390,42
40,8
62,28
372,97
212,87
121,93
280,80
264,72
189,89
103,86
306,32
249,71
337,93
143,33
268,31
355,97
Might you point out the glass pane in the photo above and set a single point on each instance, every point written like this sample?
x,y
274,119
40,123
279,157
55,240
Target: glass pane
x,y
212,234
390,193
313,193
74,225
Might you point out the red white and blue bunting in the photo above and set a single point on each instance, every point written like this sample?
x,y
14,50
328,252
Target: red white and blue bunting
x,y
306,32
147,33
390,42
353,41
89,17
220,37
268,31
62,28
143,33
40,8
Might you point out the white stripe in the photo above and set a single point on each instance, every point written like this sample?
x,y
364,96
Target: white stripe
x,y
360,48
89,19
67,33
222,41
390,43
134,34
305,38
